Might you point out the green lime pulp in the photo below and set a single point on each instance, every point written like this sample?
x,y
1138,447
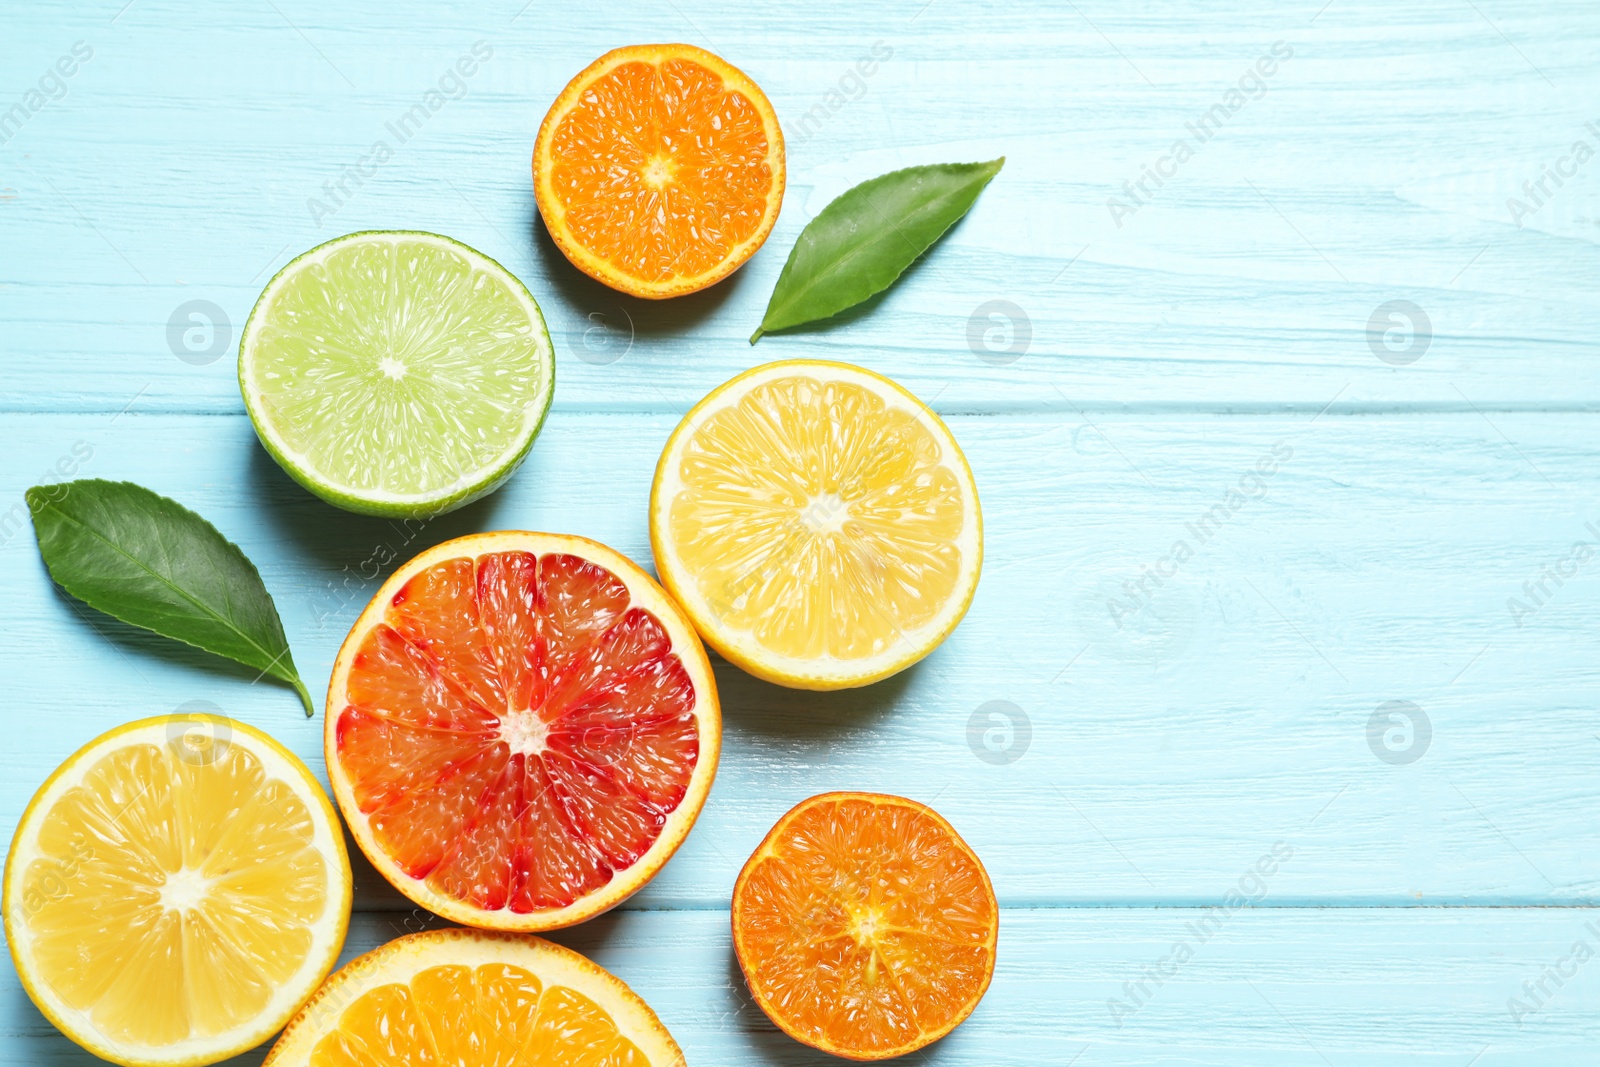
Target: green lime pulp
x,y
396,373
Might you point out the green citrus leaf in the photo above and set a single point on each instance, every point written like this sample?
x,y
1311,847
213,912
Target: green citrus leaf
x,y
865,239
151,562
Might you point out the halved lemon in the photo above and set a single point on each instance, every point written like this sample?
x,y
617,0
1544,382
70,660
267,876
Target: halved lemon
x,y
521,729
818,523
659,169
175,891
445,998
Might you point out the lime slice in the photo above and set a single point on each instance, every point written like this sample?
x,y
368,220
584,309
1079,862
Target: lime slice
x,y
396,373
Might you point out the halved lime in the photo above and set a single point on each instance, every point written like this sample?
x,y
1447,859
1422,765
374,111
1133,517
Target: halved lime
x,y
396,372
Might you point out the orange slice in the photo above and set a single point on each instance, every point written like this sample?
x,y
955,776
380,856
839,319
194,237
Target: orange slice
x,y
449,997
659,169
865,926
521,729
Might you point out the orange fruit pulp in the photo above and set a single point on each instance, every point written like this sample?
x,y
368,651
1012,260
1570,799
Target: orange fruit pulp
x,y
521,729
865,926
659,169
445,998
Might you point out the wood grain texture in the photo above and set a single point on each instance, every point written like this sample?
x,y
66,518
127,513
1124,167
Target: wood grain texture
x,y
1376,166
1230,709
1269,988
1186,709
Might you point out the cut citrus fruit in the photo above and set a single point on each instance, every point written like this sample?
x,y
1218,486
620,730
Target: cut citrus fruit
x,y
659,169
396,373
450,998
818,523
175,891
521,729
865,926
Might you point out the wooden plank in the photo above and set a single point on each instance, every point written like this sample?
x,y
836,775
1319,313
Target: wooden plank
x,y
1231,708
184,159
1184,715
1269,986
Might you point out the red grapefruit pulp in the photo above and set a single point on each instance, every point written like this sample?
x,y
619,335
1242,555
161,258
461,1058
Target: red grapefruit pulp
x,y
521,729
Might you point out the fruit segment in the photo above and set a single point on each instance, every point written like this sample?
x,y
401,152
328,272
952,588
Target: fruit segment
x,y
208,921
516,730
818,523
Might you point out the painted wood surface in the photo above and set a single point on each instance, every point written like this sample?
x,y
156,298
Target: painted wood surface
x,y
1331,311
1292,987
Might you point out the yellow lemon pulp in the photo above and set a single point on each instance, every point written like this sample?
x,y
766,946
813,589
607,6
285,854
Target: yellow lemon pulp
x,y
819,523
174,895
495,1015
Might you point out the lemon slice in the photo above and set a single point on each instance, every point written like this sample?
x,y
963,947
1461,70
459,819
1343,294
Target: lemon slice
x,y
448,997
818,523
175,891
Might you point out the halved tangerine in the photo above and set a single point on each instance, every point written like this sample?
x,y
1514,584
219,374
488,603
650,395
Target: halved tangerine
x,y
521,729
865,926
659,169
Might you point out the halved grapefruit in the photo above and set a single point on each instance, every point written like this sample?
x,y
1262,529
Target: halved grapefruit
x,y
521,729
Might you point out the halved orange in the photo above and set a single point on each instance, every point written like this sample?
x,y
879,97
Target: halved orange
x,y
865,926
445,998
521,729
659,169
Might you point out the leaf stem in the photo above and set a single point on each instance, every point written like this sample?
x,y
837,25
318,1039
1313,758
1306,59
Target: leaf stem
x,y
757,335
305,696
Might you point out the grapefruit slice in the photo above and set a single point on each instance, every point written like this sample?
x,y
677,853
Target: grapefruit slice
x,y
659,169
449,997
865,926
521,729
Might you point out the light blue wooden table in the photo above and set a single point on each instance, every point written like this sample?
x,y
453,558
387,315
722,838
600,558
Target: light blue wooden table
x,y
1372,268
